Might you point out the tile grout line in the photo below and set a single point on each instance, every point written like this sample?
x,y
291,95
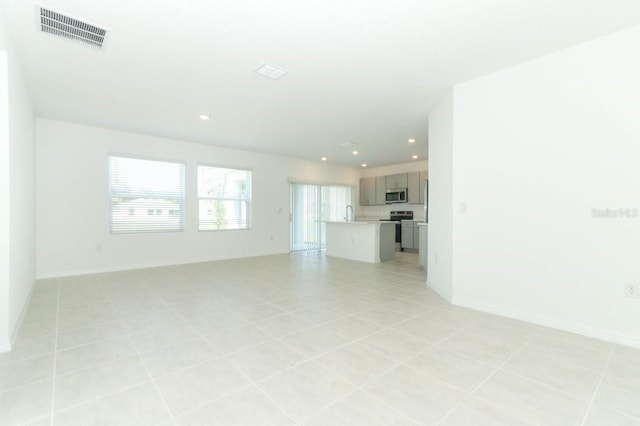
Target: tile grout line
x,y
314,358
97,398
250,384
353,341
357,388
262,392
624,414
546,385
595,393
201,336
55,356
25,384
304,360
199,289
493,373
144,364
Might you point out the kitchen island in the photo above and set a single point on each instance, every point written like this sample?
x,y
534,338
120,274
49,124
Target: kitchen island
x,y
365,241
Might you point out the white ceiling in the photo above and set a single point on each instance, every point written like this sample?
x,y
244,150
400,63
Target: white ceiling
x,y
359,71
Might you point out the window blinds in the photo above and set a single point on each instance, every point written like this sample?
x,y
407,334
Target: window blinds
x,y
311,206
145,195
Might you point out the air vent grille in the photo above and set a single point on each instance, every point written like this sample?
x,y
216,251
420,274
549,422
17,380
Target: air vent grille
x,y
70,28
270,71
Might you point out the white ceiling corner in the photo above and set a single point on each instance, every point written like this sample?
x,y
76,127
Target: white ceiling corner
x,y
365,72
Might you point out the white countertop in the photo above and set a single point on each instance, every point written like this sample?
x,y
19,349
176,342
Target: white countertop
x,y
423,224
362,222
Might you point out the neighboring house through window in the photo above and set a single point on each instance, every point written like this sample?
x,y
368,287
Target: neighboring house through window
x,y
143,192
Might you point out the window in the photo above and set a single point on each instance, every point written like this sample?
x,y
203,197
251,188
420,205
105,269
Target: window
x,y
141,190
224,197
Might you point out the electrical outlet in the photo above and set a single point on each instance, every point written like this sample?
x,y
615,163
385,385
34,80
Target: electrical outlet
x,y
632,290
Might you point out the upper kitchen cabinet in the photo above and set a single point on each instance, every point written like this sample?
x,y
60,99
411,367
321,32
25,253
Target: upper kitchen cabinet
x,y
396,181
413,188
368,191
381,187
423,183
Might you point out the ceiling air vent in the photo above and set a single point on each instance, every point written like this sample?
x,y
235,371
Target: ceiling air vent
x,y
70,28
270,71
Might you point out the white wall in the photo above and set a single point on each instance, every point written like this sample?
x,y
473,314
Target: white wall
x,y
414,166
440,236
536,147
384,210
5,333
17,199
73,214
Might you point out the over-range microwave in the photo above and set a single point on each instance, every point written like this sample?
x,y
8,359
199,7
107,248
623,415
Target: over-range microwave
x,y
395,196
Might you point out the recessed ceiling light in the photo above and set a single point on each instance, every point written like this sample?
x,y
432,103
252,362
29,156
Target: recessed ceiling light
x,y
412,141
364,164
204,116
354,152
324,158
414,157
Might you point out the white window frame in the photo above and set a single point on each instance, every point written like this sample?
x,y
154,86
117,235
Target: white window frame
x,y
248,200
144,210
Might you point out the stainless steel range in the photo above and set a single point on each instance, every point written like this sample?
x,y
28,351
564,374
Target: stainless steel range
x,y
397,216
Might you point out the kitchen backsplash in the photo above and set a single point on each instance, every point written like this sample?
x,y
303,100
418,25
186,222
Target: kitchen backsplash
x,y
382,212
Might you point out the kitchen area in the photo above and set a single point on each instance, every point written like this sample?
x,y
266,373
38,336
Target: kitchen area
x,y
399,199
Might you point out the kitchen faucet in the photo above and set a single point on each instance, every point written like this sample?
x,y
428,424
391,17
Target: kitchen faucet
x,y
347,217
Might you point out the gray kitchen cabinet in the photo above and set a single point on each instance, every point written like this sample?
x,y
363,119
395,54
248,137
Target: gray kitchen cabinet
x,y
413,187
397,181
408,241
423,182
381,187
416,237
423,230
407,238
368,191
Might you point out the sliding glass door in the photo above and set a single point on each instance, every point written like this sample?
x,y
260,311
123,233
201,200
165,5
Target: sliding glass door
x,y
311,206
305,217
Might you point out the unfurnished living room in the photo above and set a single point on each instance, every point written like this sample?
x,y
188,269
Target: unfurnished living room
x,y
417,212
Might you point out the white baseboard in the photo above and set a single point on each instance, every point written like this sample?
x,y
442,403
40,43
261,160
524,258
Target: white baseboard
x,y
16,329
559,324
445,295
118,268
106,269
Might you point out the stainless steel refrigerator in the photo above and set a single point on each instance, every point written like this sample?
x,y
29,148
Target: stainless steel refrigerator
x,y
426,200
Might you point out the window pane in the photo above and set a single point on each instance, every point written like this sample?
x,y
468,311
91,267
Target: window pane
x,y
224,198
223,214
146,195
335,200
214,182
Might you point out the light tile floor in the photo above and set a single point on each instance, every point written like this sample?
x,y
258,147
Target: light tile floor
x,y
298,339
